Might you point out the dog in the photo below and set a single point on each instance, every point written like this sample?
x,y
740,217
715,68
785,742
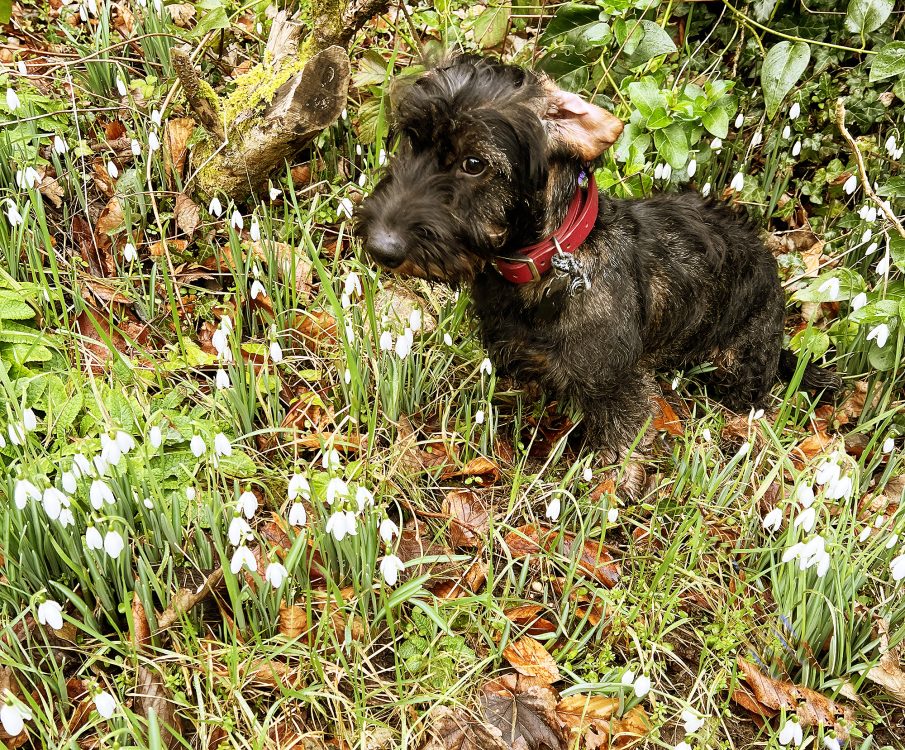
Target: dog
x,y
491,186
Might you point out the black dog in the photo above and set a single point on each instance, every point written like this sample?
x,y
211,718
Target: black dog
x,y
587,295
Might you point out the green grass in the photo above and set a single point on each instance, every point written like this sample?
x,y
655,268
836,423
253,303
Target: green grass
x,y
95,344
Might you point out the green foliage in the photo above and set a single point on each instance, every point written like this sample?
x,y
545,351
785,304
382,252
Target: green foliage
x,y
783,66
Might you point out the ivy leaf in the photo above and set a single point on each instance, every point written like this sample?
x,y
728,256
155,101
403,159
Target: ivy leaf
x,y
864,16
783,66
672,145
654,43
888,62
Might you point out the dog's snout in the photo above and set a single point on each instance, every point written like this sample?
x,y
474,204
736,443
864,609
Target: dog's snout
x,y
387,247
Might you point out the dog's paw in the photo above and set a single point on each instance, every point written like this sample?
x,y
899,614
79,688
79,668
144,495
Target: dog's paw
x,y
633,477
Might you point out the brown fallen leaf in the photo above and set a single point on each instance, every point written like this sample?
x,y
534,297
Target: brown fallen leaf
x,y
481,467
141,631
469,583
592,557
812,446
528,657
667,420
151,694
526,718
291,261
888,673
528,617
187,213
469,519
50,188
176,137
455,729
812,708
182,14
111,217
160,248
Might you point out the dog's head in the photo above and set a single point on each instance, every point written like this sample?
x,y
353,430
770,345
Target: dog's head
x,y
477,141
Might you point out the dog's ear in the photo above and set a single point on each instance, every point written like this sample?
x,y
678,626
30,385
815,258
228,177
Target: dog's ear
x,y
576,125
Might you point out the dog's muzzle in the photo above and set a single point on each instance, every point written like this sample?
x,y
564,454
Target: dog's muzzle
x,y
386,247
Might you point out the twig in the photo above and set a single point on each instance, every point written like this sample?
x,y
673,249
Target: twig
x,y
865,182
185,599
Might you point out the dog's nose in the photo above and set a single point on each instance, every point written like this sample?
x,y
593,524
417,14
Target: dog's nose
x,y
386,247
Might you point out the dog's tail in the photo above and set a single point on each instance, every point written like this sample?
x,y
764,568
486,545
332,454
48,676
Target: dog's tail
x,y
814,377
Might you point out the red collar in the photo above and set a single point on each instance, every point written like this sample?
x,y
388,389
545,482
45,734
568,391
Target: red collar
x,y
534,261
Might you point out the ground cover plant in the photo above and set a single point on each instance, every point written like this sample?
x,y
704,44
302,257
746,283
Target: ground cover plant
x,y
256,494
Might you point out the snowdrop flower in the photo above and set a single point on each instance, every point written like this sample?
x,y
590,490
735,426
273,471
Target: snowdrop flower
x,y
362,180
29,420
692,167
553,509
81,467
841,488
67,479
786,132
890,145
50,613
93,538
683,745
219,340
739,120
773,520
757,139
791,732
864,535
275,574
112,170
243,557
197,446
880,333
121,87
386,341
276,352
341,524
612,515
447,339
59,145
859,301
110,452
883,266
350,333
667,171
12,214
27,178
868,233
628,677
888,445
390,568
404,344
16,434
23,492
827,472
897,568
331,459
275,193
238,531
642,686
153,142
692,721
344,208
136,147
363,498
744,449
830,742
415,320
130,254
257,289
124,441
113,543
757,414
796,149
850,185
658,172
236,221
13,716
299,487
100,493
716,144
222,380
705,191
155,437
12,100
255,229
806,519
156,117
248,504
588,474
336,488
486,366
871,249
66,517
738,182
381,157
105,704
52,500
388,530
892,541
297,515
794,111
805,495
222,446
215,208
352,285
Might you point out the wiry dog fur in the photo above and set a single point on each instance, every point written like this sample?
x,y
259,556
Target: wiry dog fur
x,y
676,280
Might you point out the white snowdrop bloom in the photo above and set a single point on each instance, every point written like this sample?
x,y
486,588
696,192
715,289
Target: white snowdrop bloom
x,y
744,449
67,479
850,185
890,145
683,745
588,474
381,157
12,214
345,208
415,320
110,452
363,498
239,530
706,434
388,530
841,488
12,100
806,519
153,142
331,460
197,446
872,213
105,704
341,524
257,289
50,613
386,341
276,352
794,111
553,509
66,518
628,677
738,182
52,500
236,221
362,180
757,414
130,254
692,721
641,686
345,301
773,520
135,146
336,489
350,333
705,191
155,437
297,515
404,344
786,132
859,301
13,717
358,149
29,420
892,541
243,557
667,171
124,441
871,249
479,416
793,552
862,212
897,568
883,266
447,339
248,504
739,120
299,487
254,230
716,144
827,472
93,538
29,178
805,495
59,145
112,170
898,153
757,139
274,193
113,543
156,117
658,172
390,568
121,87
215,208
222,446
612,515
692,167
831,743
486,366
879,333
23,492
796,149
16,434
222,380
888,445
100,493
791,733
275,574
352,285
868,233
81,466
220,340
864,535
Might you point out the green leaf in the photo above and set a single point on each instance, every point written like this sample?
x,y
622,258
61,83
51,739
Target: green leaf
x,y
6,10
672,145
654,43
16,333
491,26
864,16
659,118
645,95
894,187
897,249
215,18
888,62
633,140
12,306
21,354
372,71
569,18
811,340
783,66
822,289
716,120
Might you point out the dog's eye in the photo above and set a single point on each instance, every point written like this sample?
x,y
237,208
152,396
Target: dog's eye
x,y
473,165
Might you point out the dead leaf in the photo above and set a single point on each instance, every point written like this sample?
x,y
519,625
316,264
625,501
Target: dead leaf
x,y
292,261
317,326
182,14
527,718
888,673
398,303
576,711
667,420
187,213
593,559
176,136
528,616
141,631
813,445
308,413
50,188
481,467
591,722
469,583
528,657
812,708
159,249
469,519
111,217
151,694
454,729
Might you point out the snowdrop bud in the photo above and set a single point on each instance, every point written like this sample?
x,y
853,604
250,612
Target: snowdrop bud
x,y
12,100
871,248
68,481
255,229
692,167
29,420
121,87
738,182
447,339
739,120
153,141
888,445
344,208
93,538
215,208
716,144
588,474
479,417
222,379
794,111
156,117
773,520
390,568
705,191
59,145
850,184
786,132
222,445
859,301
275,574
382,157
362,180
386,341
864,535
197,446
612,515
667,171
136,147
883,266
897,568
276,352
796,149
105,704
553,509
757,139
628,677
642,686
113,544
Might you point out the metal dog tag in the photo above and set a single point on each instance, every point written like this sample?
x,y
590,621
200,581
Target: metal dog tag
x,y
570,267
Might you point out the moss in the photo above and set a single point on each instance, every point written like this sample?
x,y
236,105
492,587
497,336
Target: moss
x,y
258,86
